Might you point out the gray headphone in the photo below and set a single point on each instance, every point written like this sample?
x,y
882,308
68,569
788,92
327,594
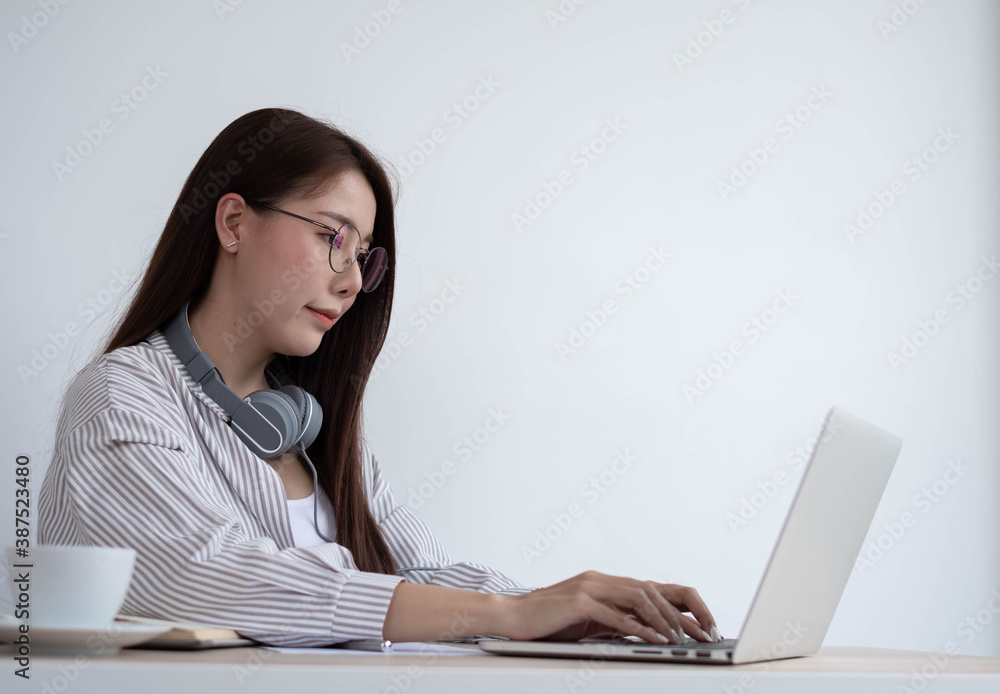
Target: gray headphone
x,y
269,422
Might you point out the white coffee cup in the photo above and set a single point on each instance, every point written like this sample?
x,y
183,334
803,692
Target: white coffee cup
x,y
70,586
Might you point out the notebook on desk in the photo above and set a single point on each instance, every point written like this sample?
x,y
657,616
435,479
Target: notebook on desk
x,y
808,569
188,636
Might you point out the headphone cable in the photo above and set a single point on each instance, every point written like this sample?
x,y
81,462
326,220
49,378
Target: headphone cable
x,y
316,491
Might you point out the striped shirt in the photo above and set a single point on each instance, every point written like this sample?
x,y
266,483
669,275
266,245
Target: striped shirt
x,y
302,513
144,458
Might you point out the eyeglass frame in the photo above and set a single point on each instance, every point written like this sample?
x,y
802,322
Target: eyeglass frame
x,y
367,253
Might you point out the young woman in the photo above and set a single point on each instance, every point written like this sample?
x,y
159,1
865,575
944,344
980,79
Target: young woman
x,y
278,258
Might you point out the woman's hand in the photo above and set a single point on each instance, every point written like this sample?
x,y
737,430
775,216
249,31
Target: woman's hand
x,y
595,603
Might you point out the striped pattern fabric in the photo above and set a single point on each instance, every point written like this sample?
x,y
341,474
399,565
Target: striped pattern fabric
x,y
145,459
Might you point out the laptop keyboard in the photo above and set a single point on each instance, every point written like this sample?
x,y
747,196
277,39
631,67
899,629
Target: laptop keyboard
x,y
702,646
686,642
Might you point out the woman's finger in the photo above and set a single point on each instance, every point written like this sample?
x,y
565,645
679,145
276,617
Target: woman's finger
x,y
682,598
645,601
686,599
657,606
684,624
626,624
695,630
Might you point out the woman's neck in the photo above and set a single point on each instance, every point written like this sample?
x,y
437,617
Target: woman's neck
x,y
241,367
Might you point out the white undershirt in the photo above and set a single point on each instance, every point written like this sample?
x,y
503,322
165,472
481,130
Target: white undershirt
x,y
300,513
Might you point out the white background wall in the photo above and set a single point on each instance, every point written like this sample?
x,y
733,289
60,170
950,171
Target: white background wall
x,y
893,76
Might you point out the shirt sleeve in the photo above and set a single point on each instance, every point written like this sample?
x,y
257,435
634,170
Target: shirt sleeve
x,y
120,479
414,545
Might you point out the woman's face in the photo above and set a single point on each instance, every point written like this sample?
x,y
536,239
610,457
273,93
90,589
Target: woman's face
x,y
286,268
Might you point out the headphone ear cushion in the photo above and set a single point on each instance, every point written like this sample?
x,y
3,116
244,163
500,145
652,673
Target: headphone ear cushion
x,y
310,414
282,411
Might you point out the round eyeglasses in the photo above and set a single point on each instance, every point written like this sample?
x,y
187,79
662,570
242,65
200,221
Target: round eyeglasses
x,y
345,248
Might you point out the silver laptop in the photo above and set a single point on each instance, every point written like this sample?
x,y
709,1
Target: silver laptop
x,y
808,569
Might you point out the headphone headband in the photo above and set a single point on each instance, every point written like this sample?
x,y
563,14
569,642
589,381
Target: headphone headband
x,y
269,422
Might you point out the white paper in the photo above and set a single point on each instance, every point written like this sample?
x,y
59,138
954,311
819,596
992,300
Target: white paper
x,y
407,648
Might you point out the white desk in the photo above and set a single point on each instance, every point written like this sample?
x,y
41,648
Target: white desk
x,y
853,670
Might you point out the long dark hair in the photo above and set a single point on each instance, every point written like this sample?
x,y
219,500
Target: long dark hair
x,y
269,155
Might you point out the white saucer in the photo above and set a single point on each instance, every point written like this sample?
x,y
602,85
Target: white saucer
x,y
95,640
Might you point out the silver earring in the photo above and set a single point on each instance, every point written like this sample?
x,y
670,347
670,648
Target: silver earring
x,y
231,244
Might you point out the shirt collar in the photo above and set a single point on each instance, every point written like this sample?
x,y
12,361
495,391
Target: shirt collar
x,y
159,341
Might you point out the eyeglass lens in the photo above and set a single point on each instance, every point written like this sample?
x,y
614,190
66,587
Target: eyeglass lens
x,y
345,248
